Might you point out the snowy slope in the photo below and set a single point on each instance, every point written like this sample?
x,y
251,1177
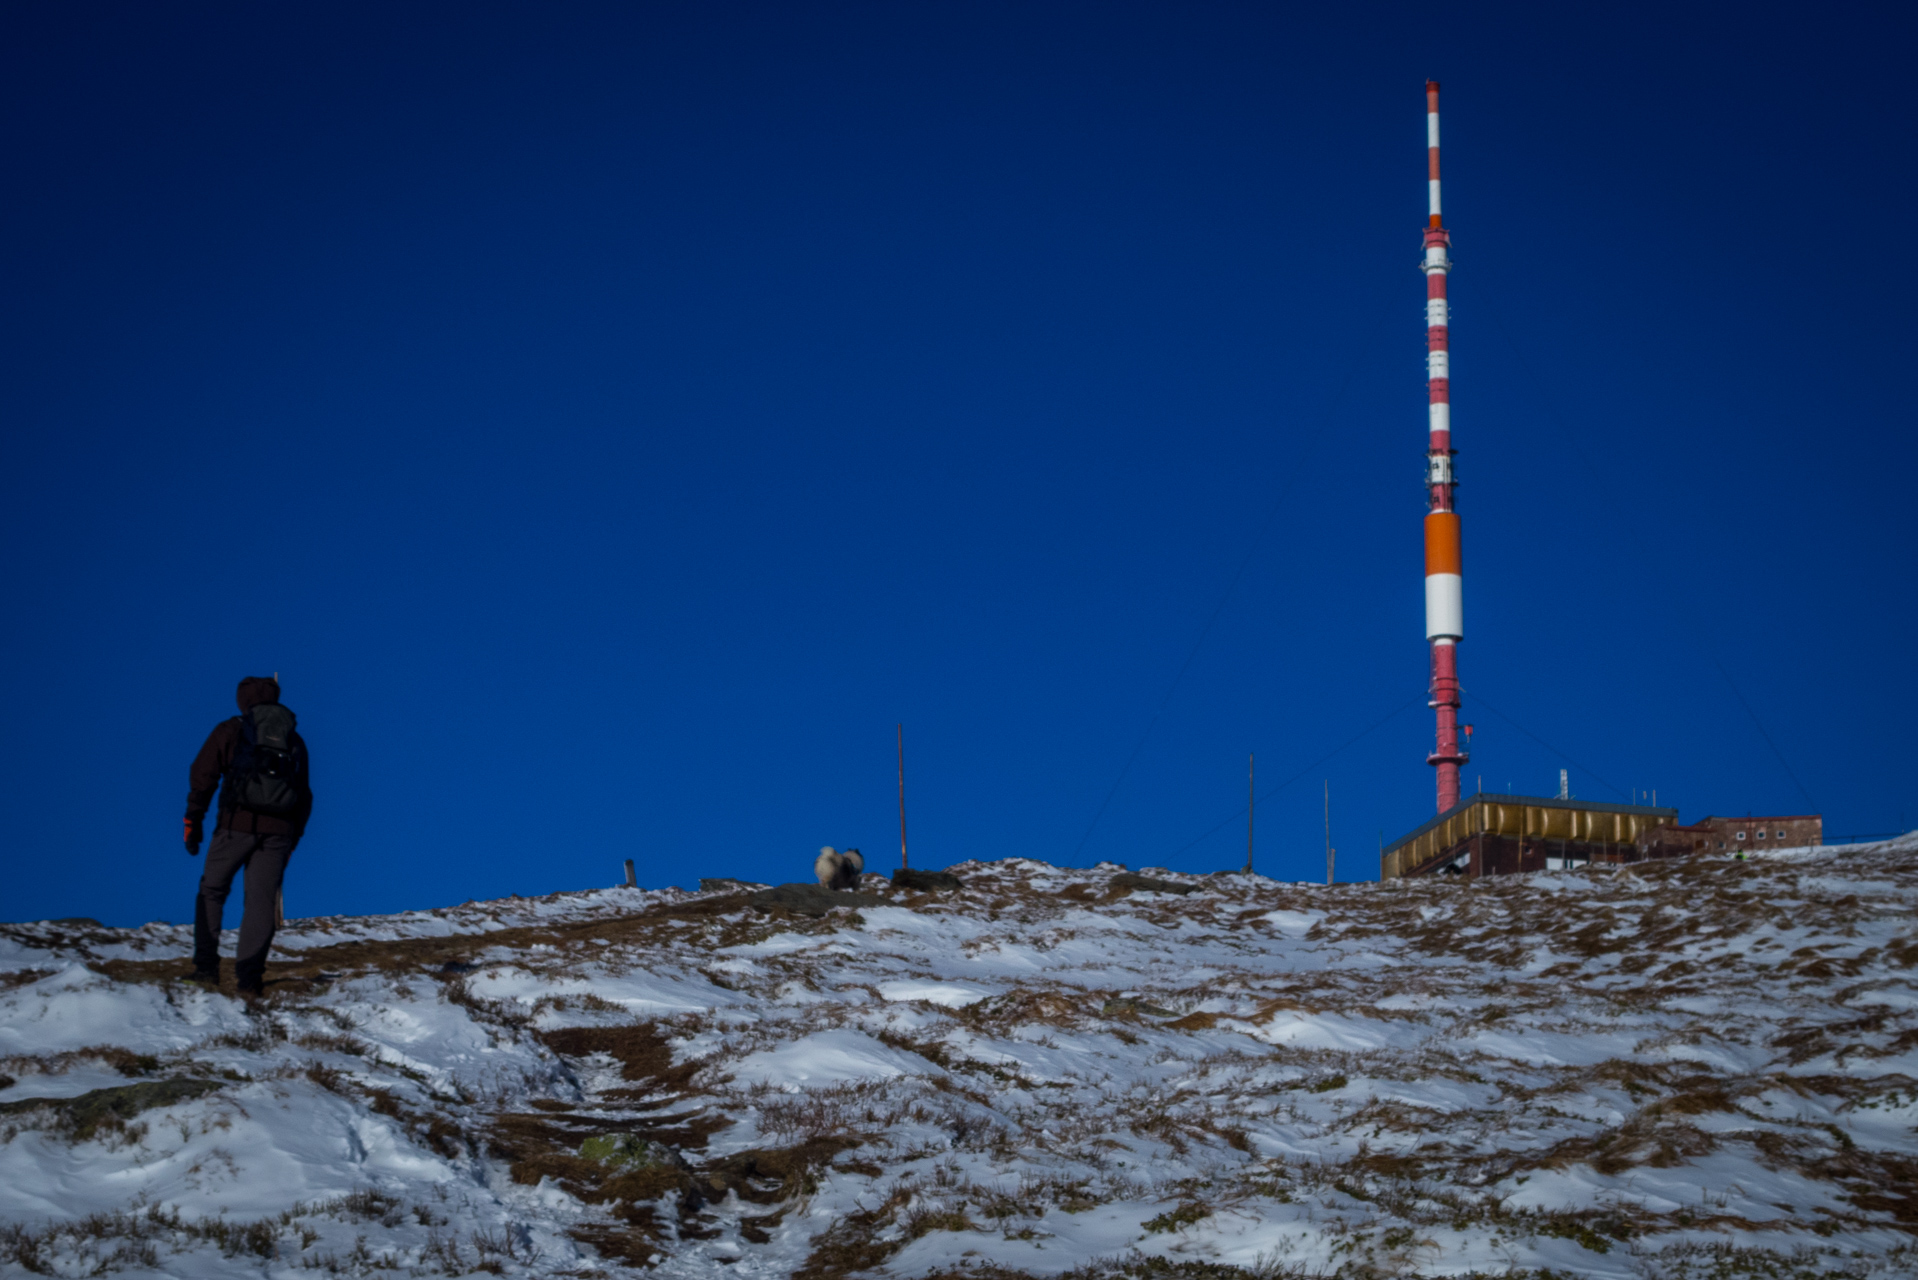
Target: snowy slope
x,y
1706,1068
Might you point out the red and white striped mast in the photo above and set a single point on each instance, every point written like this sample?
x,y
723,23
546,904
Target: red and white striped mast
x,y
1444,594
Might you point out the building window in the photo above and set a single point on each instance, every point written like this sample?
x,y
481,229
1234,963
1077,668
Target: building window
x,y
1741,835
1781,835
1761,835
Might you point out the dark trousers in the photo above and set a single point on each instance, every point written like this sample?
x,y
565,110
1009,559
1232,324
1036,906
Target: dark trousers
x,y
264,858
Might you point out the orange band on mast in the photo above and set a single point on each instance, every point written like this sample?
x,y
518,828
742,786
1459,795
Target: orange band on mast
x,y
1442,543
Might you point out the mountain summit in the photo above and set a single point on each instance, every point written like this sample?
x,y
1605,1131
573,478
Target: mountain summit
x,y
1706,1067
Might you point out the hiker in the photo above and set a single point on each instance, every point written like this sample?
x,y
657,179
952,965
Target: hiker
x,y
258,763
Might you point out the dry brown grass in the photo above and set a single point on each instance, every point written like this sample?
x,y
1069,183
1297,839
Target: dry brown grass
x,y
544,1144
644,1054
322,964
21,977
123,1060
1194,1022
1022,1006
1645,1139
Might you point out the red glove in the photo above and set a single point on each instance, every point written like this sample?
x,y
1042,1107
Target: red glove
x,y
193,837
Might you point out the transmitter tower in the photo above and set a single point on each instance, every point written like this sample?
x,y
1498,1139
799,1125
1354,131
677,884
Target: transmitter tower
x,y
1444,583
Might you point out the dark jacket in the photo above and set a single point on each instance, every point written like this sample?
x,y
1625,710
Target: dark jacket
x,y
211,765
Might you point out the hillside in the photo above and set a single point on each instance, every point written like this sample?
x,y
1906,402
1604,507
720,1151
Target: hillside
x,y
1705,1068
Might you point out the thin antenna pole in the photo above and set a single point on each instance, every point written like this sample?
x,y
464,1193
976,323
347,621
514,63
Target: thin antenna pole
x,y
902,796
1329,850
1251,803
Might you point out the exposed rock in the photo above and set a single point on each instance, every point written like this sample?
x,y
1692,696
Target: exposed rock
x,y
771,1175
726,884
629,1152
1133,1005
928,881
89,1111
810,899
1133,880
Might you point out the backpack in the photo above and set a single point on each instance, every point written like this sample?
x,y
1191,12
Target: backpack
x,y
268,773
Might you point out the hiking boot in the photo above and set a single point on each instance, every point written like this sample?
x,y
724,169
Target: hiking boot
x,y
202,977
252,991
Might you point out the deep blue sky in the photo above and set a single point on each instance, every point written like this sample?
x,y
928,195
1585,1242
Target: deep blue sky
x,y
611,420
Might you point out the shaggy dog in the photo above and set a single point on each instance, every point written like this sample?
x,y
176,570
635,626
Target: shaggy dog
x,y
839,870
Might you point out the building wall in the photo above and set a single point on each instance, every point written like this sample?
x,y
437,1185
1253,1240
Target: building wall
x,y
1608,830
1729,835
1496,855
1674,842
1516,849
